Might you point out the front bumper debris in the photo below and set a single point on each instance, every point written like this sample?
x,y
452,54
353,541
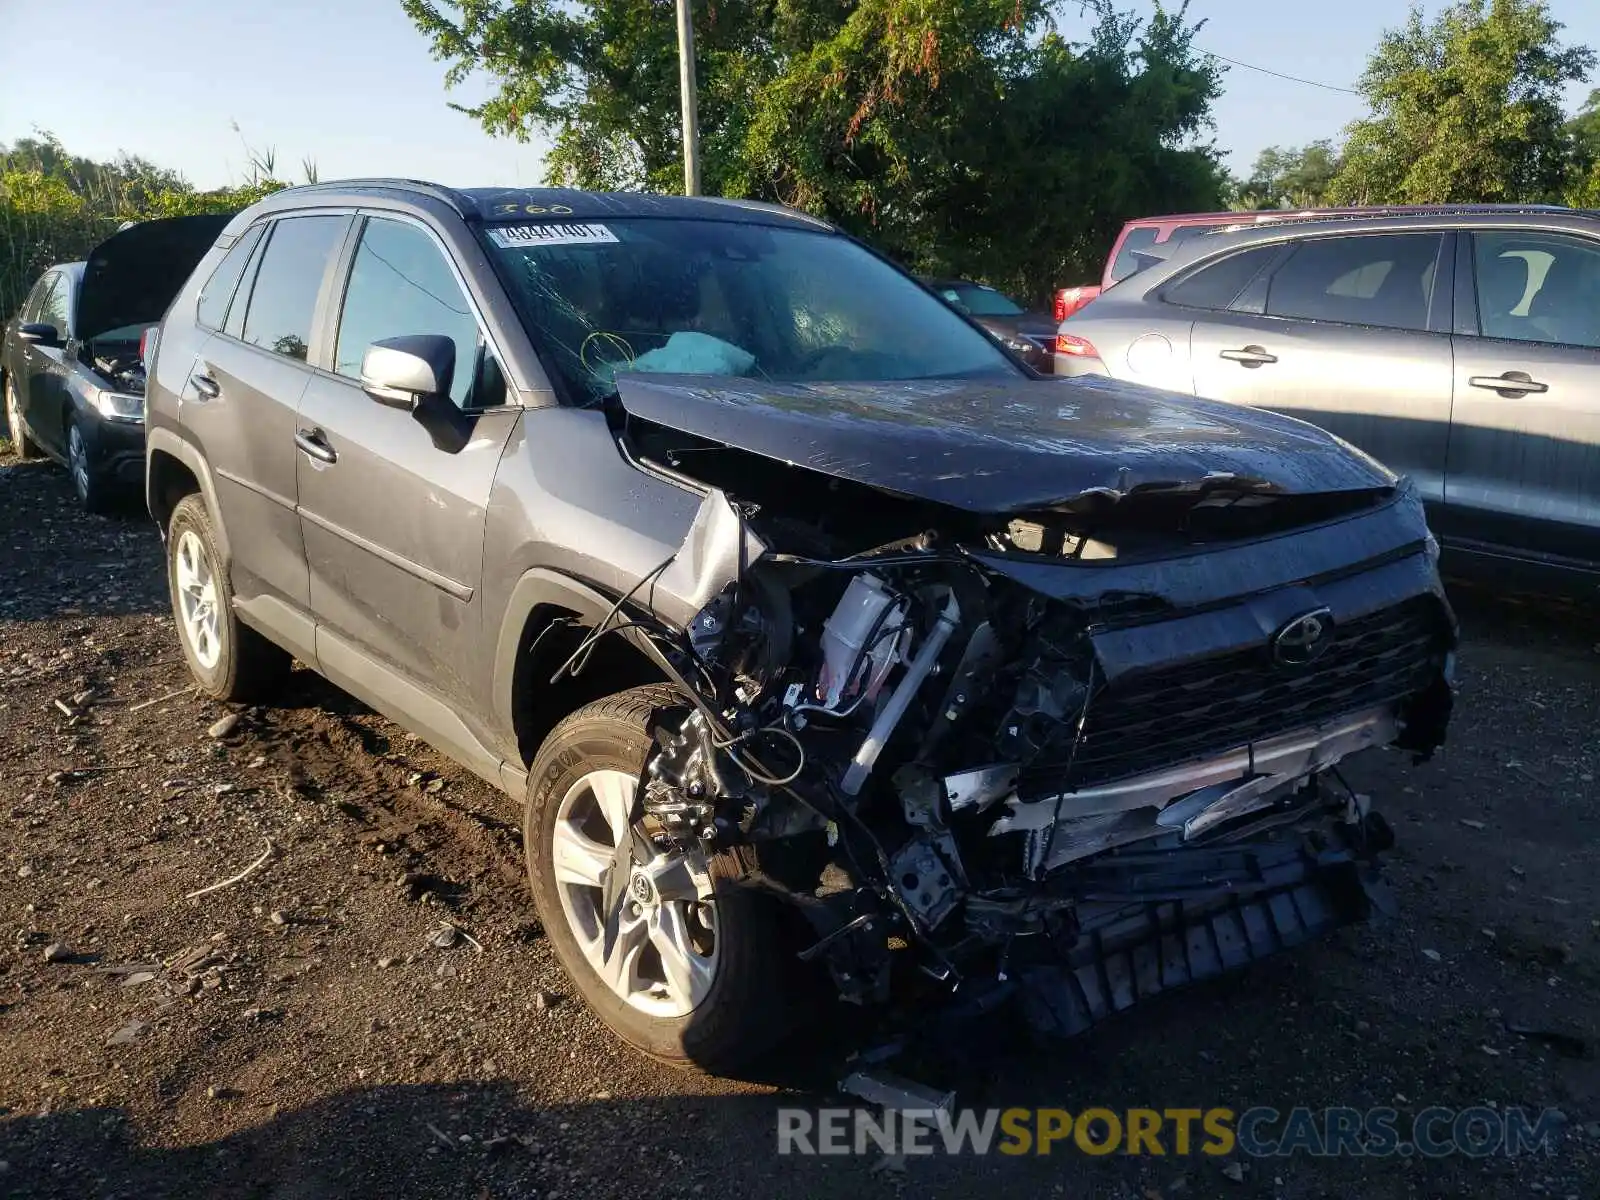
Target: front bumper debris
x,y
1168,919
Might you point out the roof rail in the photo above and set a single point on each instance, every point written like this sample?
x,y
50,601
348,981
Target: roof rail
x,y
1252,220
438,192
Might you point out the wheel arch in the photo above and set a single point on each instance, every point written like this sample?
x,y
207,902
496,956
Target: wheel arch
x,y
546,618
174,469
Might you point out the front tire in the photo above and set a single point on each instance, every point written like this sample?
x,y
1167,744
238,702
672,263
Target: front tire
x,y
21,443
693,973
228,660
94,491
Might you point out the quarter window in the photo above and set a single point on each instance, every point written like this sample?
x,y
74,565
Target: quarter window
x,y
1218,285
400,283
1538,288
1376,279
283,301
224,281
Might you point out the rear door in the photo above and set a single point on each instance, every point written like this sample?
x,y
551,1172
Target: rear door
x,y
1524,462
240,399
393,524
1349,332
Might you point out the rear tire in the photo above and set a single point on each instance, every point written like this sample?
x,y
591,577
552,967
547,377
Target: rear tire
x,y
228,660
21,444
747,1006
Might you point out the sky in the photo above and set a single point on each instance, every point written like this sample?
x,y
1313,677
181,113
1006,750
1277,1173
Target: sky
x,y
351,84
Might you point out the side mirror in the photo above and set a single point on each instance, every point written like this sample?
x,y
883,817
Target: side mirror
x,y
401,372
40,334
413,373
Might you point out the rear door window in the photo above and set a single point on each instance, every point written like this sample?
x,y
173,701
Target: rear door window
x,y
1384,280
1538,287
1218,285
283,301
219,289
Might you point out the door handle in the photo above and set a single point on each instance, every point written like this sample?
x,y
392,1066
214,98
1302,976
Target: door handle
x,y
1250,356
1512,383
313,443
208,387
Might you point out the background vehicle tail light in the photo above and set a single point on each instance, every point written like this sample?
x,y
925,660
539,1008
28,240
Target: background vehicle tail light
x,y
147,344
1070,300
1075,347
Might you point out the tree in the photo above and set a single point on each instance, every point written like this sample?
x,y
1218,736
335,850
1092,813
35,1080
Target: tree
x,y
963,136
1293,177
1584,130
56,206
1465,108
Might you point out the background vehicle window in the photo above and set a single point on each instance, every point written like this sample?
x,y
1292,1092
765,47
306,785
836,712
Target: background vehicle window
x,y
1376,279
982,301
1538,288
399,284
35,301
1218,285
56,305
284,297
224,281
1140,237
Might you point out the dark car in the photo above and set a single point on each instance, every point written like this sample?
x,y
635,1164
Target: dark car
x,y
809,631
1461,346
1029,335
70,361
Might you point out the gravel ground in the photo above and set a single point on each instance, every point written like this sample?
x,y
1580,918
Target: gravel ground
x,y
374,1012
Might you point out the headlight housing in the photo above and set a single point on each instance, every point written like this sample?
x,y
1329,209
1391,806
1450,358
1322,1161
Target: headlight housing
x,y
123,407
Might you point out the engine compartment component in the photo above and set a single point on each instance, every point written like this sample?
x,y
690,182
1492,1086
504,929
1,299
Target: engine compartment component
x,y
124,371
945,752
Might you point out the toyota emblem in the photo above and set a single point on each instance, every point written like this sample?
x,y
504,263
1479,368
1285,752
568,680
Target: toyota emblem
x,y
1304,639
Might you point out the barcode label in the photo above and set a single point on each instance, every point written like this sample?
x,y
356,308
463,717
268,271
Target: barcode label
x,y
510,236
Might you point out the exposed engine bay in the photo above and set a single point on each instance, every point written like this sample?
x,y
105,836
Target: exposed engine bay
x,y
953,745
119,365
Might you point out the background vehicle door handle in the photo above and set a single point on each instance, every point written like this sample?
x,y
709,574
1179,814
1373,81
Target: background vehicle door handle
x,y
208,387
1512,383
1250,356
313,443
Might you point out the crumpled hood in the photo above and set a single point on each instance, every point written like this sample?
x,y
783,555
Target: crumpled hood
x,y
132,276
1004,446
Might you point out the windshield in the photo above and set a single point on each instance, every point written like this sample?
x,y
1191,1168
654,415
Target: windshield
x,y
981,301
725,298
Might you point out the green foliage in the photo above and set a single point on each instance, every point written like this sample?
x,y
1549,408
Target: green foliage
x,y
1584,130
1293,177
56,207
1465,108
963,137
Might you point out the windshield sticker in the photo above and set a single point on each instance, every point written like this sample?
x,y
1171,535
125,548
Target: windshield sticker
x,y
508,237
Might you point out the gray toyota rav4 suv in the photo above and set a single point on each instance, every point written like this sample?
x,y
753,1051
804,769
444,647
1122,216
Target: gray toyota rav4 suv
x,y
820,640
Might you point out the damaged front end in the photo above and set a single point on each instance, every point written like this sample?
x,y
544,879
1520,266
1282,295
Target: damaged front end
x,y
1089,747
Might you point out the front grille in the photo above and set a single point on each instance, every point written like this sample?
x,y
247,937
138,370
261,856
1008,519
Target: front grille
x,y
1163,718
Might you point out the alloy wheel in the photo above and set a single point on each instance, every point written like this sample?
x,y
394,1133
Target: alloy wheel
x,y
197,600
78,462
654,943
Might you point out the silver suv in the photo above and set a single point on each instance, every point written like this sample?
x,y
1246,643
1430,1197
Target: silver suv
x,y
1460,347
810,630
